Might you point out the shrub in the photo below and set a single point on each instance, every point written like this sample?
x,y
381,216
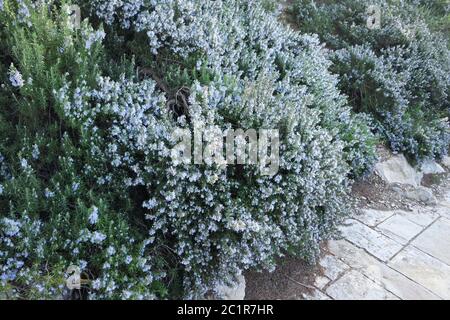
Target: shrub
x,y
436,14
398,73
241,38
54,213
223,220
87,154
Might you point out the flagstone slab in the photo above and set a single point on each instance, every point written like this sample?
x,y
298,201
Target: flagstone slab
x,y
421,216
316,295
400,229
443,210
379,272
423,269
390,254
332,266
353,285
436,240
321,282
372,241
372,217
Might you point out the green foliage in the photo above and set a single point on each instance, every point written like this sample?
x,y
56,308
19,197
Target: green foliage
x,y
87,116
437,15
398,73
53,213
86,176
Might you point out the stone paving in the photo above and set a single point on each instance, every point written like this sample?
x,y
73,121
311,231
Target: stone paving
x,y
389,255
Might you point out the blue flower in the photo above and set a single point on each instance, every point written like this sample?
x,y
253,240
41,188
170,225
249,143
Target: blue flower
x,y
97,237
93,217
83,264
35,154
111,250
49,194
75,186
15,77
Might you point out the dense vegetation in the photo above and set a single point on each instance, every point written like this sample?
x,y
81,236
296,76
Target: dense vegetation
x,y
398,72
87,117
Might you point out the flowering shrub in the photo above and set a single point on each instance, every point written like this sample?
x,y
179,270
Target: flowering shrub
x,y
53,212
257,55
436,14
398,73
222,220
242,38
87,175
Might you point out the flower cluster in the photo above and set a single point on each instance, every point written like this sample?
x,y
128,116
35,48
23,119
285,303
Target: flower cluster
x,y
15,77
94,37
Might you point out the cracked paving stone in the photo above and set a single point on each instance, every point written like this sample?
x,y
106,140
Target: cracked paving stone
x,y
399,228
355,286
436,240
423,269
372,217
372,241
321,281
332,267
379,272
423,217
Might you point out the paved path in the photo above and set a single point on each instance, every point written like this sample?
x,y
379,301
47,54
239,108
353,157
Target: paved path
x,y
390,255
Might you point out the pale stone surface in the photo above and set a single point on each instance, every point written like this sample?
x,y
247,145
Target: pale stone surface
x,y
355,286
446,162
235,292
447,198
443,210
436,240
379,272
422,217
321,281
398,170
332,266
374,242
400,229
446,202
431,167
372,217
423,269
316,295
422,194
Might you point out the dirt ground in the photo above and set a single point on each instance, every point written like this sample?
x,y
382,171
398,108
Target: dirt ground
x,y
292,278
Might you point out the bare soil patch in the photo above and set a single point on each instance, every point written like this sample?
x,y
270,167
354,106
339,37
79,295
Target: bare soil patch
x,y
373,192
290,281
